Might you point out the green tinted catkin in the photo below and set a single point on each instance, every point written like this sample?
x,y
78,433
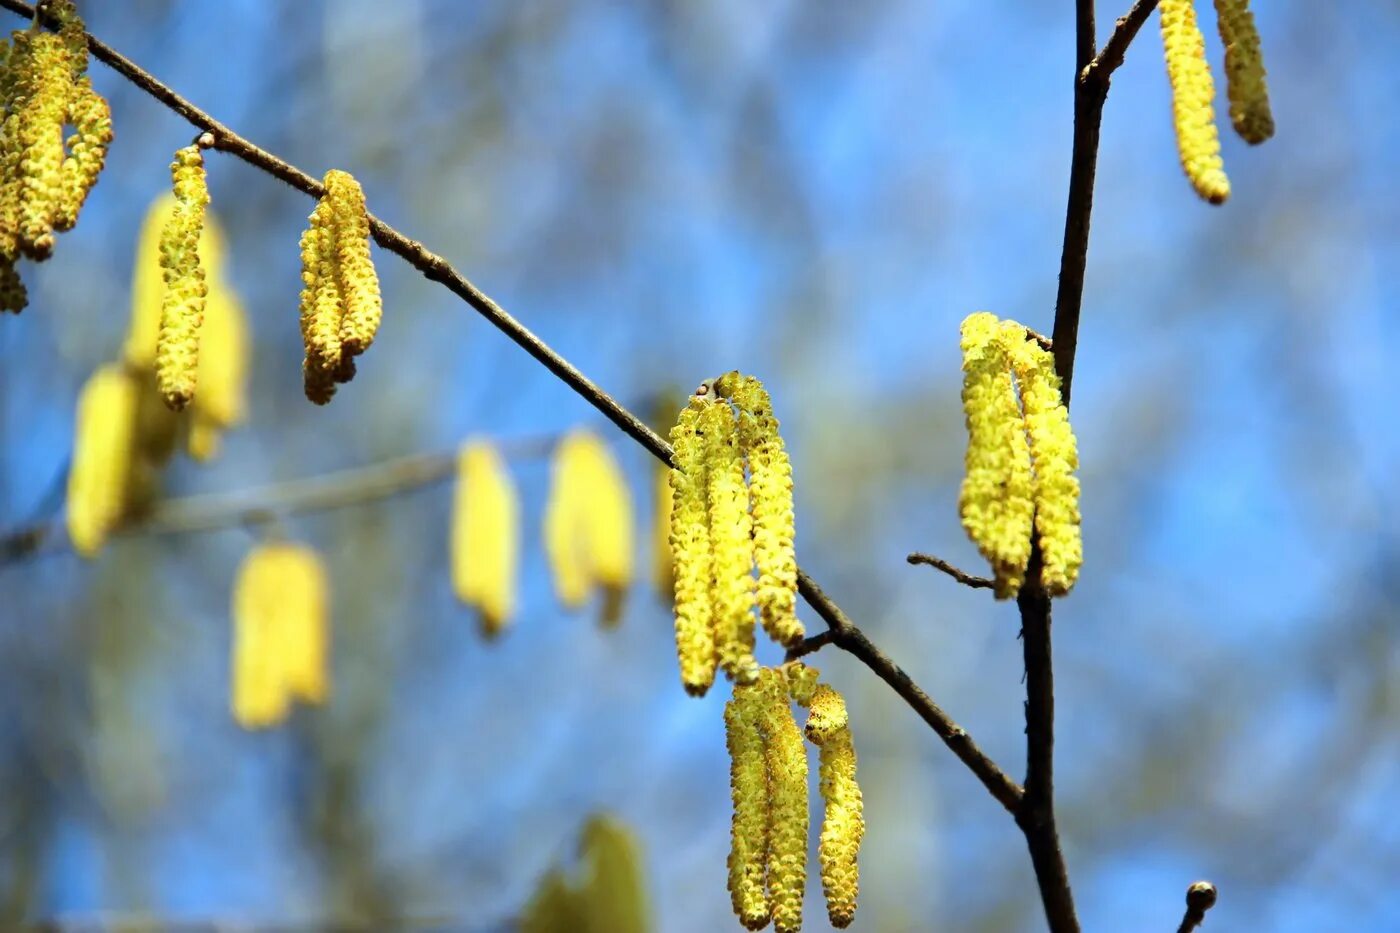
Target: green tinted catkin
x,y
731,539
1245,79
786,758
690,551
751,825
182,307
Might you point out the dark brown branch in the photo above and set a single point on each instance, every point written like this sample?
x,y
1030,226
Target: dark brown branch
x,y
437,269
1124,32
1200,897
962,576
811,645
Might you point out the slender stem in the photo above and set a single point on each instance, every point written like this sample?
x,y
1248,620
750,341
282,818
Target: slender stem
x,y
962,576
435,268
1200,897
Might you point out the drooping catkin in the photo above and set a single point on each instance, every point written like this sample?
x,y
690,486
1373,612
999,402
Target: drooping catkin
x,y
690,550
1245,79
1055,456
91,119
843,820
223,372
801,681
564,542
770,488
752,820
1193,94
485,535
359,285
731,539
44,88
182,306
320,306
995,501
786,758
103,444
588,524
663,566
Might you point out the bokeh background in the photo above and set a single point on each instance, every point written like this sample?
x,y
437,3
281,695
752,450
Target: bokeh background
x,y
817,193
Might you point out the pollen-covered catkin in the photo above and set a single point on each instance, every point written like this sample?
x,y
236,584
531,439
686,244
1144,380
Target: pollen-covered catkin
x,y
843,822
44,87
359,285
731,537
1245,79
485,535
786,758
1056,457
770,488
801,681
663,567
690,550
223,372
996,497
750,827
103,443
182,307
91,119
1193,93
320,306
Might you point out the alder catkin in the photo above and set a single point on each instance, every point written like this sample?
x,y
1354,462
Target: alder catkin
x,y
750,827
1193,93
104,437
995,501
485,541
843,820
1245,79
1055,456
690,550
770,488
182,306
786,758
359,285
731,539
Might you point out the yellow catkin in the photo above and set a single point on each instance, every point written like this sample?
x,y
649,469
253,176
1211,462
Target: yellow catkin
x,y
801,681
786,759
770,488
996,496
148,284
843,821
281,633
749,829
47,86
182,305
320,306
565,512
605,524
91,119
223,372
1056,457
103,441
1245,79
485,541
1193,94
731,539
15,92
359,285
663,567
690,550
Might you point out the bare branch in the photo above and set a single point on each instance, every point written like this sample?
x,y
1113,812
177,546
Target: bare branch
x,y
962,576
1200,897
1124,32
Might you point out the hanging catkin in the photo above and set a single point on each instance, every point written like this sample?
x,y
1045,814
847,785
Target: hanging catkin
x,y
1245,80
1193,94
752,819
731,539
691,551
103,443
786,759
485,535
182,307
843,820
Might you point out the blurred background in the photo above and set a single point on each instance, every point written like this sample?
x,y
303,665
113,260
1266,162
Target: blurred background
x,y
816,193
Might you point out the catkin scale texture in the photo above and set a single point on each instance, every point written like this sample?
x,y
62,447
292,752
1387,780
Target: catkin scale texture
x,y
731,540
359,285
691,552
182,306
103,448
751,823
786,758
1245,79
485,541
770,488
1193,94
843,820
996,497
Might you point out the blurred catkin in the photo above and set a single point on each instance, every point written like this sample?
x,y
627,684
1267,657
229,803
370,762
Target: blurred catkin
x,y
99,481
1193,94
1245,80
182,305
485,540
996,497
588,525
691,552
770,488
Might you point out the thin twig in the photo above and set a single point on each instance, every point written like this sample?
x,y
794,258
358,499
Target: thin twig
x,y
1126,29
811,644
1200,897
962,576
437,269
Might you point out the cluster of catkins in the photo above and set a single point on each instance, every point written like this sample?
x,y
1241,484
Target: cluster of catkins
x,y
1193,90
44,179
281,633
588,535
768,780
1021,457
731,515
123,435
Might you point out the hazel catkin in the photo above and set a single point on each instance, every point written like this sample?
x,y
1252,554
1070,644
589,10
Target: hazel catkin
x,y
1245,79
359,285
690,550
182,307
588,525
1193,93
99,480
731,540
843,819
786,759
751,823
485,535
